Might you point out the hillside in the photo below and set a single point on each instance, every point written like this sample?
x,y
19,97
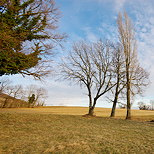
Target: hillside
x,y
7,101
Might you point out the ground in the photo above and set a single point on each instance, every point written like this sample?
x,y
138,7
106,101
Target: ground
x,y
65,130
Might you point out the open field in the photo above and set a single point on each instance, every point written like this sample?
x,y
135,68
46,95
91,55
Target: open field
x,y
64,130
139,115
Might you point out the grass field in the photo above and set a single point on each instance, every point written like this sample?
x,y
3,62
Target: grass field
x,y
65,130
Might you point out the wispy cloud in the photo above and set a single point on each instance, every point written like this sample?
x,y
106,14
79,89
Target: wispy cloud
x,y
89,35
119,4
144,25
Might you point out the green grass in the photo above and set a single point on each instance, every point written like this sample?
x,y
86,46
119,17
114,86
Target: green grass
x,y
23,131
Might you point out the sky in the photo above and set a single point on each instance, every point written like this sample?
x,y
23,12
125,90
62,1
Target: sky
x,y
92,20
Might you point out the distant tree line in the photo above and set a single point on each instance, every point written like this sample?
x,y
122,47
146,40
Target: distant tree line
x,y
144,106
32,94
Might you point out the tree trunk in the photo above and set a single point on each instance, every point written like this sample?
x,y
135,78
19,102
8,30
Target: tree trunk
x,y
5,102
114,106
128,115
116,96
91,111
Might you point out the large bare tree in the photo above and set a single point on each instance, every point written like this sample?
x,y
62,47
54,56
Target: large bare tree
x,y
90,65
136,76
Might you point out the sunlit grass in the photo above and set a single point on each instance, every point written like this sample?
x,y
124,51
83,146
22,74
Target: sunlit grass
x,y
65,130
142,115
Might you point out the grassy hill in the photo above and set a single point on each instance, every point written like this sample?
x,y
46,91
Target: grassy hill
x,y
7,101
65,130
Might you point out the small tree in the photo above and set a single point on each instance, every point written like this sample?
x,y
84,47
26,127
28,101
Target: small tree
x,y
39,92
90,65
31,100
143,106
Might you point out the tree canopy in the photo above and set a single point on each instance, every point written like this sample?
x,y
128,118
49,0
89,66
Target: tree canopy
x,y
24,29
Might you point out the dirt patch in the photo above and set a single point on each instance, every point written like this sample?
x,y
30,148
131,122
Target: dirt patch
x,y
89,116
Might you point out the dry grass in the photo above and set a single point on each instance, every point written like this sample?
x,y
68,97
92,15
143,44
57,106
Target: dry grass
x,y
141,115
44,130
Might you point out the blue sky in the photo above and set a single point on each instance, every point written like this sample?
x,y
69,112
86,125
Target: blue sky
x,y
85,19
91,20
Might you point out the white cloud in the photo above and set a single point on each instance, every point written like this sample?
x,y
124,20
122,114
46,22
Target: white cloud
x,y
119,4
145,34
90,36
64,93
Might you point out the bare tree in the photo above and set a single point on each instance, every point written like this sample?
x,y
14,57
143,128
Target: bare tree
x,y
4,88
90,65
118,69
39,92
17,91
136,76
143,106
9,90
128,42
4,83
41,95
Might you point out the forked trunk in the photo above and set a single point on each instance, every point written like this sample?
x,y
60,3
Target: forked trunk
x,y
91,111
91,108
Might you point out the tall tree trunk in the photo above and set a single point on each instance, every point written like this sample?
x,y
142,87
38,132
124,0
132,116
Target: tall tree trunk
x,y
128,115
